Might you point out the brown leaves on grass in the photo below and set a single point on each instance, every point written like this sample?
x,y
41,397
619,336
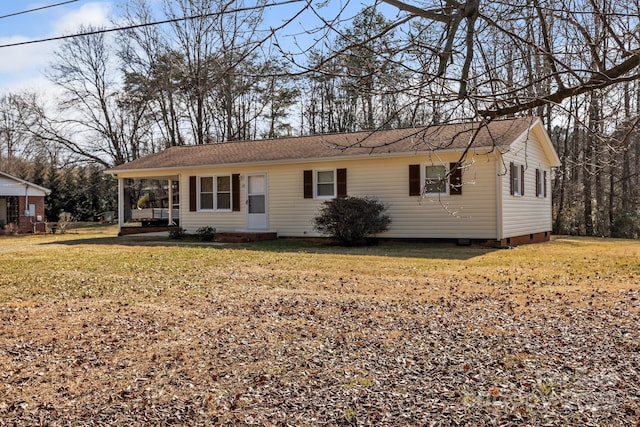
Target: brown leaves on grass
x,y
253,342
301,360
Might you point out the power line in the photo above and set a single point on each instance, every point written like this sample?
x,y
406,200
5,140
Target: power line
x,y
37,9
149,24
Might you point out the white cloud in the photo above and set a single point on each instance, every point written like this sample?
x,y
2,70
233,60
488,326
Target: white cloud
x,y
90,14
22,67
20,58
37,84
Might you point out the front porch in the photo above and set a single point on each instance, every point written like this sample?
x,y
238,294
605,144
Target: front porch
x,y
151,201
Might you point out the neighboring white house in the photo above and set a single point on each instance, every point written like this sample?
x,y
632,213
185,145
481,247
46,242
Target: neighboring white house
x,y
459,181
21,204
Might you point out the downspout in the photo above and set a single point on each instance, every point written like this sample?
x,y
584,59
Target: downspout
x,y
499,225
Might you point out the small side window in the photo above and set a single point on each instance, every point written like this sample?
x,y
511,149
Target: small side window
x,y
435,180
325,184
516,179
541,183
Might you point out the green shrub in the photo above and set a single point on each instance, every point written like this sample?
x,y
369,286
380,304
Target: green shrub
x,y
206,233
351,220
177,233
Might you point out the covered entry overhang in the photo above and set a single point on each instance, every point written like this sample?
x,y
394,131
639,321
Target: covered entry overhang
x,y
125,177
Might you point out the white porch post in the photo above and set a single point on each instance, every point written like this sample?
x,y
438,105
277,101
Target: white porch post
x,y
170,201
120,204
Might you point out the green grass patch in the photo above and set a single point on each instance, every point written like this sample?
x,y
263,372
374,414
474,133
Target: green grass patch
x,y
99,265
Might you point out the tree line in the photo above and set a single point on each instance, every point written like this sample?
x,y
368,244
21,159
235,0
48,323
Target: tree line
x,y
223,71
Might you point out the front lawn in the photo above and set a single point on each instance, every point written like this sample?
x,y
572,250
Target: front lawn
x,y
101,330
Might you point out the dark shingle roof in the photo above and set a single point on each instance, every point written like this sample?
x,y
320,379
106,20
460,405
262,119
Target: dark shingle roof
x,y
498,133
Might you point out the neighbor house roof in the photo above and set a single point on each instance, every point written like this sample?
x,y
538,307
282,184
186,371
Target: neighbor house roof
x,y
22,183
456,137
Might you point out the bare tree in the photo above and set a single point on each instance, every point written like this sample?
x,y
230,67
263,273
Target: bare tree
x,y
12,133
154,71
208,76
202,72
564,60
93,119
469,25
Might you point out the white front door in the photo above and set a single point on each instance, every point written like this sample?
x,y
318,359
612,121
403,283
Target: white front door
x,y
257,202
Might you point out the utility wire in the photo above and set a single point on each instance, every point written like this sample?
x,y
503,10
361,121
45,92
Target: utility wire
x,y
37,9
149,24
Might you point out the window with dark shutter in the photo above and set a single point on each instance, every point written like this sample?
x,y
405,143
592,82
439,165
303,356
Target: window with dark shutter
x,y
414,180
455,178
235,191
341,181
522,180
544,183
193,195
308,184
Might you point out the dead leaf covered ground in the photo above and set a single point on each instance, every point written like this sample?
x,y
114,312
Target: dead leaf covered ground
x,y
105,331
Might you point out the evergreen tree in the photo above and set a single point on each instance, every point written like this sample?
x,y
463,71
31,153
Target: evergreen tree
x,y
53,202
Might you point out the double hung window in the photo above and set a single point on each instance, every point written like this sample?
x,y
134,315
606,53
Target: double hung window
x,y
214,193
435,180
541,183
516,179
325,184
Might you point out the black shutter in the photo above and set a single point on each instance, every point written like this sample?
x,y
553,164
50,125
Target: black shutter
x,y
455,178
522,180
308,184
511,173
341,181
538,192
193,205
414,180
235,192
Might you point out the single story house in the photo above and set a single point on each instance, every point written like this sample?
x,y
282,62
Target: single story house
x,y
21,205
457,181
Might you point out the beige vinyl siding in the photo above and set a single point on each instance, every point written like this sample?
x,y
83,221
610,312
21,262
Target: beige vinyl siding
x,y
290,214
221,221
470,215
522,215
